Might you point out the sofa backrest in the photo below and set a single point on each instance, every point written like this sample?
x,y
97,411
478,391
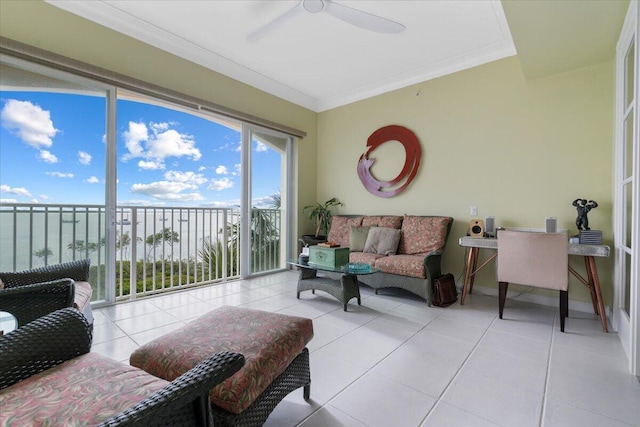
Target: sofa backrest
x,y
423,234
420,234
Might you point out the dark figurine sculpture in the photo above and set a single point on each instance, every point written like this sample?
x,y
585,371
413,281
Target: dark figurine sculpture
x,y
583,207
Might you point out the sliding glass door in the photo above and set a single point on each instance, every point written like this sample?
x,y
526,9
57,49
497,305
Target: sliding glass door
x,y
627,194
53,166
160,196
265,199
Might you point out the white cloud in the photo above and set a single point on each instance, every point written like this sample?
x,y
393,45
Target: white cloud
x,y
155,146
168,190
202,169
222,204
152,165
84,157
8,200
47,156
261,147
16,190
133,137
220,184
222,170
263,202
93,180
29,122
188,177
60,174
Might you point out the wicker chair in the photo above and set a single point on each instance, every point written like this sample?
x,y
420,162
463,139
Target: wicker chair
x,y
31,294
45,350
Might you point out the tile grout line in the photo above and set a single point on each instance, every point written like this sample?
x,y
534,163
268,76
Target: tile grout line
x,y
543,407
464,362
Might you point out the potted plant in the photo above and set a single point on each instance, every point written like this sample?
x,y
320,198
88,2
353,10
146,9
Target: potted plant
x,y
320,213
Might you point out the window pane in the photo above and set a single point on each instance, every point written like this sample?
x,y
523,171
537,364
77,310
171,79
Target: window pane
x,y
628,77
627,283
52,173
178,194
628,205
628,144
267,171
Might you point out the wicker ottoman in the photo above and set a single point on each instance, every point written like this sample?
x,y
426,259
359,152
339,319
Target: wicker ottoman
x,y
274,347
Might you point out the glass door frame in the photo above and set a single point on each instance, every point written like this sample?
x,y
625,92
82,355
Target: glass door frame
x,y
627,324
287,192
110,93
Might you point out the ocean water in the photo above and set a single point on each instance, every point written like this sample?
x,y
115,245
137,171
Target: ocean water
x,y
34,237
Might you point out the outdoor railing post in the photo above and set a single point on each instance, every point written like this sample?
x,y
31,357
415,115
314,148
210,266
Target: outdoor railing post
x,y
225,239
133,263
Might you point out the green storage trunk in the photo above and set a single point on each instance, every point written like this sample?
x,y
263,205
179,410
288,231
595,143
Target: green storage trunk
x,y
329,257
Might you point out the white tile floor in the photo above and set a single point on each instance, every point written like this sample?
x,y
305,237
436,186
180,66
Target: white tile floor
x,y
396,362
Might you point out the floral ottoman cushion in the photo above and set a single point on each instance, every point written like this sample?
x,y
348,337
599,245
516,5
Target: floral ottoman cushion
x,y
268,341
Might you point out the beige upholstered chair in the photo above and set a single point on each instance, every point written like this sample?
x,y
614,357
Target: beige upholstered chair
x,y
534,259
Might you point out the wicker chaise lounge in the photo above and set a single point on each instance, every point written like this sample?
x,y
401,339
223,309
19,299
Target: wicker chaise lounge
x,y
31,294
274,346
49,377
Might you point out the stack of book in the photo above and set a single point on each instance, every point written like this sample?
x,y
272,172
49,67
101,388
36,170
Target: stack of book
x,y
590,237
329,245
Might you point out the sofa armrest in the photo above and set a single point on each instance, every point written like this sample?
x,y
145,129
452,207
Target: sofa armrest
x,y
432,262
77,270
184,401
29,302
43,344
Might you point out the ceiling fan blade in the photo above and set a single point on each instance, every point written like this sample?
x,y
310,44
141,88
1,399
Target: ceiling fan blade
x,y
362,19
272,25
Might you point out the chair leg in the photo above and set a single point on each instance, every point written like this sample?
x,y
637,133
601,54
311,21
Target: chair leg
x,y
564,308
502,296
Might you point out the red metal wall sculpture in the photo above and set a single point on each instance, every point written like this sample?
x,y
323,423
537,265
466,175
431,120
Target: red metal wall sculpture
x,y
413,153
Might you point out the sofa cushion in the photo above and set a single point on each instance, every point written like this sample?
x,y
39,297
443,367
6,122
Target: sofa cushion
x,y
365,257
83,391
340,228
390,221
358,238
268,341
82,295
423,234
382,240
404,265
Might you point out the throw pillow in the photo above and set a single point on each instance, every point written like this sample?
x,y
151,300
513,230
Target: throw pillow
x,y
382,241
358,238
339,231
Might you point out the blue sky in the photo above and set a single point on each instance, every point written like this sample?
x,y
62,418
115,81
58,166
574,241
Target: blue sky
x,y
52,150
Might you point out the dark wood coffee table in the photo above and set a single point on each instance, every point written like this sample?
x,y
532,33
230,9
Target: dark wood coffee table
x,y
343,289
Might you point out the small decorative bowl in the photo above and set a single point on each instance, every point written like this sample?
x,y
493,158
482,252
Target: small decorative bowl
x,y
358,267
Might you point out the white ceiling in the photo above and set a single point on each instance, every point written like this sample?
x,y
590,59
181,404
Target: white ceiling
x,y
314,60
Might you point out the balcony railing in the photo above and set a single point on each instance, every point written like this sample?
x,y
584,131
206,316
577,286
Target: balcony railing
x,y
157,249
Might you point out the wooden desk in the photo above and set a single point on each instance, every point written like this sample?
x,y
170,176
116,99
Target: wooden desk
x,y
589,252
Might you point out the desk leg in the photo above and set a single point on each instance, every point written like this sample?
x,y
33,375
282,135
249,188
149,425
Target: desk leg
x,y
469,268
594,284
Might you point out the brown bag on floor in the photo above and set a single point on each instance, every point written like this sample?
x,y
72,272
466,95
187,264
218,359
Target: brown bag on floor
x,y
444,290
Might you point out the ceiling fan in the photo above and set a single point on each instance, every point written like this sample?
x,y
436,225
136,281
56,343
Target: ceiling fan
x,y
348,14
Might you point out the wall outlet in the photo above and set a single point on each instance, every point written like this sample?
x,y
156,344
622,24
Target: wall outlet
x,y
474,211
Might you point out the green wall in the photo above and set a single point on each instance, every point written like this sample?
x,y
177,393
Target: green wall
x,y
518,150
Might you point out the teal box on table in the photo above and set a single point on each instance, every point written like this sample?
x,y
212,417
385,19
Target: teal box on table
x,y
328,257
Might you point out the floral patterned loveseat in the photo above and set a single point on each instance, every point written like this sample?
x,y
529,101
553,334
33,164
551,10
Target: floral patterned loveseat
x,y
415,261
